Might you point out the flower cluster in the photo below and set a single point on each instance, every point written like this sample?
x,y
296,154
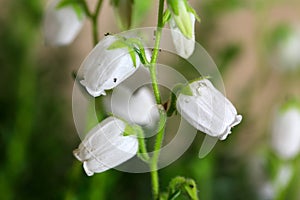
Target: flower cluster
x,y
107,66
114,59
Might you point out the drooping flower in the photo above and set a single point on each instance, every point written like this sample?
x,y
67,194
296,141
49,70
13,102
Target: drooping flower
x,y
207,109
106,146
138,107
105,68
285,137
62,24
184,46
182,25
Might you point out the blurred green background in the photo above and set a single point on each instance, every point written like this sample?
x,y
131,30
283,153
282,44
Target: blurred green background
x,y
37,133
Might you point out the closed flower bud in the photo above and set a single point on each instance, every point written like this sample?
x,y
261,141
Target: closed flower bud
x,y
138,107
61,24
105,146
180,13
207,109
104,68
285,136
184,46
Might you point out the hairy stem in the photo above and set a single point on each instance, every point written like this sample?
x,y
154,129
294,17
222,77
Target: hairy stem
x,y
160,134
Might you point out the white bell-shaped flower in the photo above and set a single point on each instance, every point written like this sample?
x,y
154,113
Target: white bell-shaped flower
x,y
184,46
138,107
285,137
103,69
105,146
207,109
61,25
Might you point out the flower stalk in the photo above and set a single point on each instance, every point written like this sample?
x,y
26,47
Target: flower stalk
x,y
162,115
94,18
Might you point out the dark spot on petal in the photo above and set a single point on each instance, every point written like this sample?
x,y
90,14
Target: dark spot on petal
x,y
115,80
106,34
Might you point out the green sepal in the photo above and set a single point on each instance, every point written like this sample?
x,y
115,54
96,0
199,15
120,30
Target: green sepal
x,y
129,130
118,44
137,131
178,89
76,5
192,10
166,16
133,45
173,6
187,91
132,55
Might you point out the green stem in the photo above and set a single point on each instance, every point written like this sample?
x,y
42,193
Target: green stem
x,y
93,17
160,134
95,22
156,152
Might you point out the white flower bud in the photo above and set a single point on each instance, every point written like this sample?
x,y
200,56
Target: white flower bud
x,y
138,107
285,136
180,13
103,69
105,146
207,109
184,46
61,25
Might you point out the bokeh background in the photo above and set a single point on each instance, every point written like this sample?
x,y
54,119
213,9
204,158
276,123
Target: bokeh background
x,y
37,132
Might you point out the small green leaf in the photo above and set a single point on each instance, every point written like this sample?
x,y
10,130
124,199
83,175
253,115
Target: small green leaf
x,y
118,44
132,55
166,17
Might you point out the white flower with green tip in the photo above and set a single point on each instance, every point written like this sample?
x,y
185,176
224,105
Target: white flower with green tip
x,y
207,109
182,24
